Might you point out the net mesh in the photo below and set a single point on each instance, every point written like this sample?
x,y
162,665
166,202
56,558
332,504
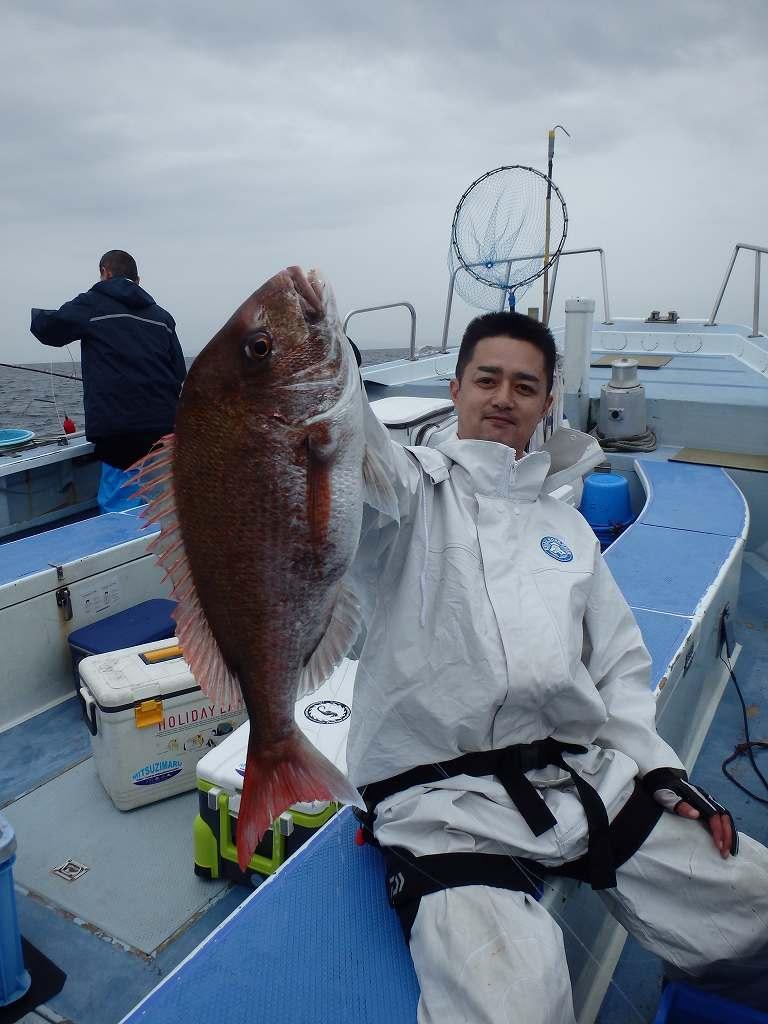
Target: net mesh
x,y
500,217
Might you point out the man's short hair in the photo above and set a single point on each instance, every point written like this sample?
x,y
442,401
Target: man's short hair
x,y
510,325
119,264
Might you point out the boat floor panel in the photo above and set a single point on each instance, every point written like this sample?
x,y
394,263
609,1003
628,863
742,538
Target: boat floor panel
x,y
637,980
140,887
103,981
356,966
42,748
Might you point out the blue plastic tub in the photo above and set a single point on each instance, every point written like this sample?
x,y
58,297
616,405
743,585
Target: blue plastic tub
x,y
681,1004
11,436
606,506
14,978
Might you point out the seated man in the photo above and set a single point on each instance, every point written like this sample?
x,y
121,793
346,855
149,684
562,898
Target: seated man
x,y
504,728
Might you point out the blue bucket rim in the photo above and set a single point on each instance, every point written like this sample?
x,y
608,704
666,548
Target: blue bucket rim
x,y
14,435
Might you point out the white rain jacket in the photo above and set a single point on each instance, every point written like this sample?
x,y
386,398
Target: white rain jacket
x,y
492,620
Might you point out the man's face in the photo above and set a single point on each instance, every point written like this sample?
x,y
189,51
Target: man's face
x,y
502,394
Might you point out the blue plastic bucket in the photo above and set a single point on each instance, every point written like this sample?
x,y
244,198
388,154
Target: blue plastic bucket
x,y
14,979
606,506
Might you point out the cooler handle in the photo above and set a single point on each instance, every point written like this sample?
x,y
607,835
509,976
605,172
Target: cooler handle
x,y
88,706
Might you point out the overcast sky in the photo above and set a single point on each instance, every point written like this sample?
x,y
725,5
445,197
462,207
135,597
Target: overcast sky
x,y
220,142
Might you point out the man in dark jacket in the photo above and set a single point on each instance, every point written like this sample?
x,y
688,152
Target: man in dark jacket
x,y
132,366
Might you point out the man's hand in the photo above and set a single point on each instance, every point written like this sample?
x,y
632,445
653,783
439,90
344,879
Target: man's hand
x,y
670,787
720,827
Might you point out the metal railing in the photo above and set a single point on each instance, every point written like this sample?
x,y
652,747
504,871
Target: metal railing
x,y
389,305
757,250
603,277
522,259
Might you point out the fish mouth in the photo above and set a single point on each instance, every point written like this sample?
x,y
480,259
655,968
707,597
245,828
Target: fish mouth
x,y
309,293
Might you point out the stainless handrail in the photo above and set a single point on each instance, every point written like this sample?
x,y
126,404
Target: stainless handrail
x,y
520,259
603,275
388,305
757,250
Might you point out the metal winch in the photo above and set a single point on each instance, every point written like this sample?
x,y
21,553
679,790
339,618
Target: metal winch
x,y
622,402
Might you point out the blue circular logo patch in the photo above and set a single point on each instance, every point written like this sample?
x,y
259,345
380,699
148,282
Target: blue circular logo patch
x,y
557,549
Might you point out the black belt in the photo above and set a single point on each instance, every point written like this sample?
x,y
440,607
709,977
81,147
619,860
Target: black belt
x,y
409,878
509,765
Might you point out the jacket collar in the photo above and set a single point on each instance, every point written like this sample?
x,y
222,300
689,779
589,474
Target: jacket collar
x,y
494,469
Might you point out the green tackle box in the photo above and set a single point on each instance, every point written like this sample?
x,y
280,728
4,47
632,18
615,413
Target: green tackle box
x,y
323,717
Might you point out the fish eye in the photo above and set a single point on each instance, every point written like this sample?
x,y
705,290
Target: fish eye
x,y
258,346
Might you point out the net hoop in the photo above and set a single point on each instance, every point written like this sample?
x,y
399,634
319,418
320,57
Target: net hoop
x,y
465,261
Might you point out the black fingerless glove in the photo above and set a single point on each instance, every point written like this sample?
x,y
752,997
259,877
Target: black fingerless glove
x,y
668,786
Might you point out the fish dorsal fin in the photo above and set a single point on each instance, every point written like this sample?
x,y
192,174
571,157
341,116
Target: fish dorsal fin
x,y
201,652
343,629
378,490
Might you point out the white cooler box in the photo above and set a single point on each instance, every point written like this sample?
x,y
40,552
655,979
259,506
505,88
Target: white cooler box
x,y
150,722
323,717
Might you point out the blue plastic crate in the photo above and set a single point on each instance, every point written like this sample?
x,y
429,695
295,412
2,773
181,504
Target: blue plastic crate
x,y
681,1004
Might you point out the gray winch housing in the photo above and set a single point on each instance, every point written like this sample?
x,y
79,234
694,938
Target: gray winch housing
x,y
622,403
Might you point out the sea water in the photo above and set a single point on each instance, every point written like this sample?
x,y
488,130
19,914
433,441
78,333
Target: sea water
x,y
39,401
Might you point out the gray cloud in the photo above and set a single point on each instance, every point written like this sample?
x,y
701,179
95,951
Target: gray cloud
x,y
220,142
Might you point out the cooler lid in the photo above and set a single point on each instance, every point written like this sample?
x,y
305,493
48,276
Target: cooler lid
x,y
323,717
7,839
121,679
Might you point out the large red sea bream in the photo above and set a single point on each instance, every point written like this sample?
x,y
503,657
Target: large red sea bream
x,y
259,497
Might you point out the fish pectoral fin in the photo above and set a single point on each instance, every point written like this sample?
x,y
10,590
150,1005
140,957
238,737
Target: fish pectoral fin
x,y
343,630
378,491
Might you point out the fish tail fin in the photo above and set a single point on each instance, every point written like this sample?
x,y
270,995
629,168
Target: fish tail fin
x,y
273,784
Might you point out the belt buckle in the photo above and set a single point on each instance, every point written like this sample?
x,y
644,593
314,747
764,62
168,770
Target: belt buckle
x,y
526,758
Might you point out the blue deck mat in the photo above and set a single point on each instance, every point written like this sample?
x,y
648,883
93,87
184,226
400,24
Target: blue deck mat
x,y
676,490
318,942
67,544
663,636
667,570
667,561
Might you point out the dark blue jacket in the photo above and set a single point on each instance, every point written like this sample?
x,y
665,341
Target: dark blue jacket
x,y
132,362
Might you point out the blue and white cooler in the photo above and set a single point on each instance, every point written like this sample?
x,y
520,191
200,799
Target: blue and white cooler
x,y
149,721
323,717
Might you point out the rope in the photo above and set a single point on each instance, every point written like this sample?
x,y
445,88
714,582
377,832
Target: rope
x,y
638,443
